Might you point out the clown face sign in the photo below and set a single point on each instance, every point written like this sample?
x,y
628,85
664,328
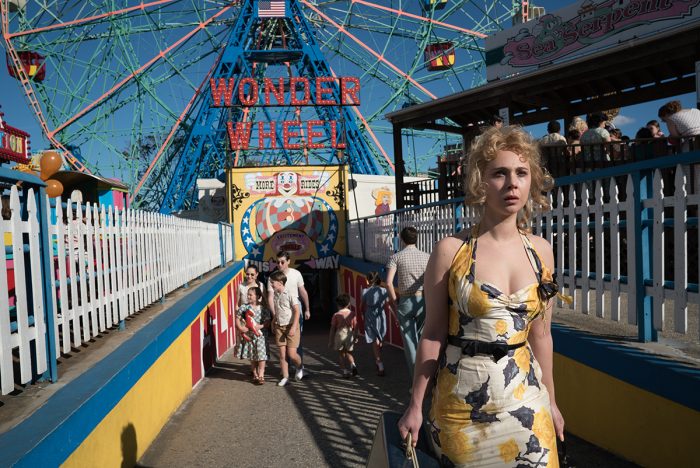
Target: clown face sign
x,y
287,183
299,210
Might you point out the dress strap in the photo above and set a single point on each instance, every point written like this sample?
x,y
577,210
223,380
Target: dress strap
x,y
547,286
470,243
533,256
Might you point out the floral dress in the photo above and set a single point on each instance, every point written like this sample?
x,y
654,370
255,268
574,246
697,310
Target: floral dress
x,y
486,412
256,349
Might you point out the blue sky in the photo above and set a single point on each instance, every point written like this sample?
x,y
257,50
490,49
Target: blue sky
x,y
17,111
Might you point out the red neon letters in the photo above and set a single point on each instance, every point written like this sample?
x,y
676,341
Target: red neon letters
x,y
295,91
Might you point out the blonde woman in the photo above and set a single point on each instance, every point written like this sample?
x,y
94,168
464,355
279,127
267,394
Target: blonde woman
x,y
487,332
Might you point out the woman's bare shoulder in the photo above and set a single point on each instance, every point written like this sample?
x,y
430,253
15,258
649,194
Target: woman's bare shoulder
x,y
447,247
543,248
539,242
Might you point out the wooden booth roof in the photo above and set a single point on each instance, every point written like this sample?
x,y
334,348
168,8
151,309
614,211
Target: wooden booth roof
x,y
640,70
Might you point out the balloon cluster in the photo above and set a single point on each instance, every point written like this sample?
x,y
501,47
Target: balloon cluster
x,y
49,164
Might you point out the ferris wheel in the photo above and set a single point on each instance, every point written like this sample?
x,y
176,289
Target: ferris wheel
x,y
117,85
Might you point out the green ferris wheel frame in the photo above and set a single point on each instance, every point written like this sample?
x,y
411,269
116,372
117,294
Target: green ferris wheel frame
x,y
121,76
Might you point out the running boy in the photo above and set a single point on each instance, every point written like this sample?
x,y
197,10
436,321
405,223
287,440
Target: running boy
x,y
286,326
343,335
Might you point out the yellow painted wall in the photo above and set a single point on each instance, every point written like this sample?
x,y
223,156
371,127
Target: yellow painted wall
x,y
633,423
132,425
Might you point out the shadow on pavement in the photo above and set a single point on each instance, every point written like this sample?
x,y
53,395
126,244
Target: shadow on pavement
x,y
324,420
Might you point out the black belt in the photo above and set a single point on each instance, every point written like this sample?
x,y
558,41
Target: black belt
x,y
474,347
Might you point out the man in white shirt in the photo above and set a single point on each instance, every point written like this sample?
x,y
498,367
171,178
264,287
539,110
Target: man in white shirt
x,y
408,265
295,283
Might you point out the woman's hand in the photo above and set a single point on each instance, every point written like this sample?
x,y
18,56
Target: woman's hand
x,y
411,421
558,420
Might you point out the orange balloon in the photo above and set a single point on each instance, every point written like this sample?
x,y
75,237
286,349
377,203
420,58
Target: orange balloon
x,y
53,188
50,163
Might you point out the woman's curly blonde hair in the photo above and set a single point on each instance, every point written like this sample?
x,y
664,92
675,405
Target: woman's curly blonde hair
x,y
484,149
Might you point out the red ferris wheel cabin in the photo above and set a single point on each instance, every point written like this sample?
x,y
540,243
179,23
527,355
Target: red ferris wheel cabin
x,y
33,63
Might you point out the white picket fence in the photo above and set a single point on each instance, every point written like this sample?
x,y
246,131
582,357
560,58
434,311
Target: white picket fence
x,y
106,264
22,323
594,245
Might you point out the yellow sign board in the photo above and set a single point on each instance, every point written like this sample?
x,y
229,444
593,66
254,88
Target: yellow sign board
x,y
299,209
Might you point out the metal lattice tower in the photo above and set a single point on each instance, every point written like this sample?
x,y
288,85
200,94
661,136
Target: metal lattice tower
x,y
257,48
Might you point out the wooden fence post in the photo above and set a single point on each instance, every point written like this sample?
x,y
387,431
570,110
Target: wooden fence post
x,y
642,182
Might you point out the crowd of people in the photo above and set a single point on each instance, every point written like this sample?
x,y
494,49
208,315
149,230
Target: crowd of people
x,y
596,139
277,315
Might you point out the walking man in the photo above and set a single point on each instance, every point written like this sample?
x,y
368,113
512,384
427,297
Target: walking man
x,y
408,265
295,288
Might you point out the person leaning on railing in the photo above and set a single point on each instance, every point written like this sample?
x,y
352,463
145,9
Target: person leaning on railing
x,y
553,148
617,148
595,138
682,124
643,145
574,140
655,128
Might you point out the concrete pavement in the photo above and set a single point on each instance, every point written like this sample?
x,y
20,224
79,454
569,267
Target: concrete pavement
x,y
324,420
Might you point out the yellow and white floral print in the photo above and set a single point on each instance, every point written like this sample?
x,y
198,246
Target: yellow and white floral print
x,y
486,412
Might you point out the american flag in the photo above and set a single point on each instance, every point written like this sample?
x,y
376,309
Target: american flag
x,y
272,9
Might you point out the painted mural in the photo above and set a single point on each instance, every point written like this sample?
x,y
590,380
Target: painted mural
x,y
372,195
297,209
383,197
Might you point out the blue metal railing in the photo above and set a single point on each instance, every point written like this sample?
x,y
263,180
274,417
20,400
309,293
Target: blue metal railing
x,y
363,233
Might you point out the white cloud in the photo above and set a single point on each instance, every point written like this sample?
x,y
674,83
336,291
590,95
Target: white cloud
x,y
621,120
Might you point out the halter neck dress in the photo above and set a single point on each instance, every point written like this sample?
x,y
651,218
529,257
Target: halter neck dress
x,y
486,412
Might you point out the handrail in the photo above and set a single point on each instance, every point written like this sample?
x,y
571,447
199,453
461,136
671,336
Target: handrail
x,y
561,161
597,218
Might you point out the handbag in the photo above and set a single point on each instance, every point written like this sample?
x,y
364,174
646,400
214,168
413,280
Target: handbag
x,y
389,451
564,460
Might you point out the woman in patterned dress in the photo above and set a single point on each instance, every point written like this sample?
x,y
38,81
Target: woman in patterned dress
x,y
252,342
487,332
